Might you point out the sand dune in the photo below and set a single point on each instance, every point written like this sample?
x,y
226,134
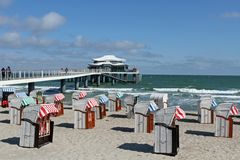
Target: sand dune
x,y
113,138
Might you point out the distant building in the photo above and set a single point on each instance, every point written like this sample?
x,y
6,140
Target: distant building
x,y
110,63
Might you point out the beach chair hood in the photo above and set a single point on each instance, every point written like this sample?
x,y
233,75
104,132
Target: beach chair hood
x,y
145,107
16,103
75,95
31,113
165,115
80,105
35,93
129,100
224,110
112,96
205,103
102,99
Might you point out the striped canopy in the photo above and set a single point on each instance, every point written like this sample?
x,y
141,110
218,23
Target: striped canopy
x,y
152,106
8,89
91,103
82,94
27,101
119,95
59,97
21,94
46,109
103,99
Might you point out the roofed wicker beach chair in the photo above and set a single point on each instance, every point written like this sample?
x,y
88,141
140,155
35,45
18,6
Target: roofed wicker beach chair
x,y
100,109
144,116
84,115
166,132
38,96
224,121
206,106
4,93
129,102
36,127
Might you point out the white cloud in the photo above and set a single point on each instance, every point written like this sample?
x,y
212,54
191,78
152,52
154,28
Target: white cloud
x,y
5,3
48,22
107,46
231,15
11,39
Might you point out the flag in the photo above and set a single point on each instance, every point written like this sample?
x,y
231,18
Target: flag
x,y
180,114
214,103
152,106
233,110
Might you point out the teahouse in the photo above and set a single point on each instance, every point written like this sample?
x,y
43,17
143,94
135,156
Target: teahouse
x,y
144,116
109,63
36,127
224,121
166,132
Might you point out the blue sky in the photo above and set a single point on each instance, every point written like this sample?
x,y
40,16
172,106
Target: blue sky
x,y
156,36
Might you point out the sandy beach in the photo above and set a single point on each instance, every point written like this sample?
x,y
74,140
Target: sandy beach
x,y
113,138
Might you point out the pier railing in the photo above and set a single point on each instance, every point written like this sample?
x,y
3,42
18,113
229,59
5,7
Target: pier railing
x,y
15,75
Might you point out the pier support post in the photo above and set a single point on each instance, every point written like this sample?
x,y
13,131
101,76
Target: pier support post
x,y
76,83
86,82
125,77
31,87
98,80
63,85
113,81
103,79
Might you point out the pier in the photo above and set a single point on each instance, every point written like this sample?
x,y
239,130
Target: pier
x,y
84,76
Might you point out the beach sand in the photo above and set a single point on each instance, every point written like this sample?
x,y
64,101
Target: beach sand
x,y
114,138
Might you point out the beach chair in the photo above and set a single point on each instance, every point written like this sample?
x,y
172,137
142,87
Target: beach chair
x,y
144,116
114,103
36,127
38,96
100,110
166,132
4,93
84,115
57,99
76,96
206,110
129,103
161,99
224,121
17,105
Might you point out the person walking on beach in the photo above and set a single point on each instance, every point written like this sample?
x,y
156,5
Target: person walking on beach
x,y
3,73
66,70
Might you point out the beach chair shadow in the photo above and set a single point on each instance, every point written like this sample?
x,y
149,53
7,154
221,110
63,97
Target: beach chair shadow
x,y
4,112
65,125
7,121
145,148
123,129
12,141
118,116
192,114
200,133
189,120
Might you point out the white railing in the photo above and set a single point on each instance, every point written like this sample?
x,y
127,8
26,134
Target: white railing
x,y
15,75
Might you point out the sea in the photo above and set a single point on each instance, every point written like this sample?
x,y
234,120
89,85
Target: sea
x,y
183,90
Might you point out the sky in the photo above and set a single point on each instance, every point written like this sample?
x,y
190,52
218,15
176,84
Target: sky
x,y
156,36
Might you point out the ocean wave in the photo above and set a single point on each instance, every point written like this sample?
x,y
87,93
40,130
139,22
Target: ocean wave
x,y
107,89
196,91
